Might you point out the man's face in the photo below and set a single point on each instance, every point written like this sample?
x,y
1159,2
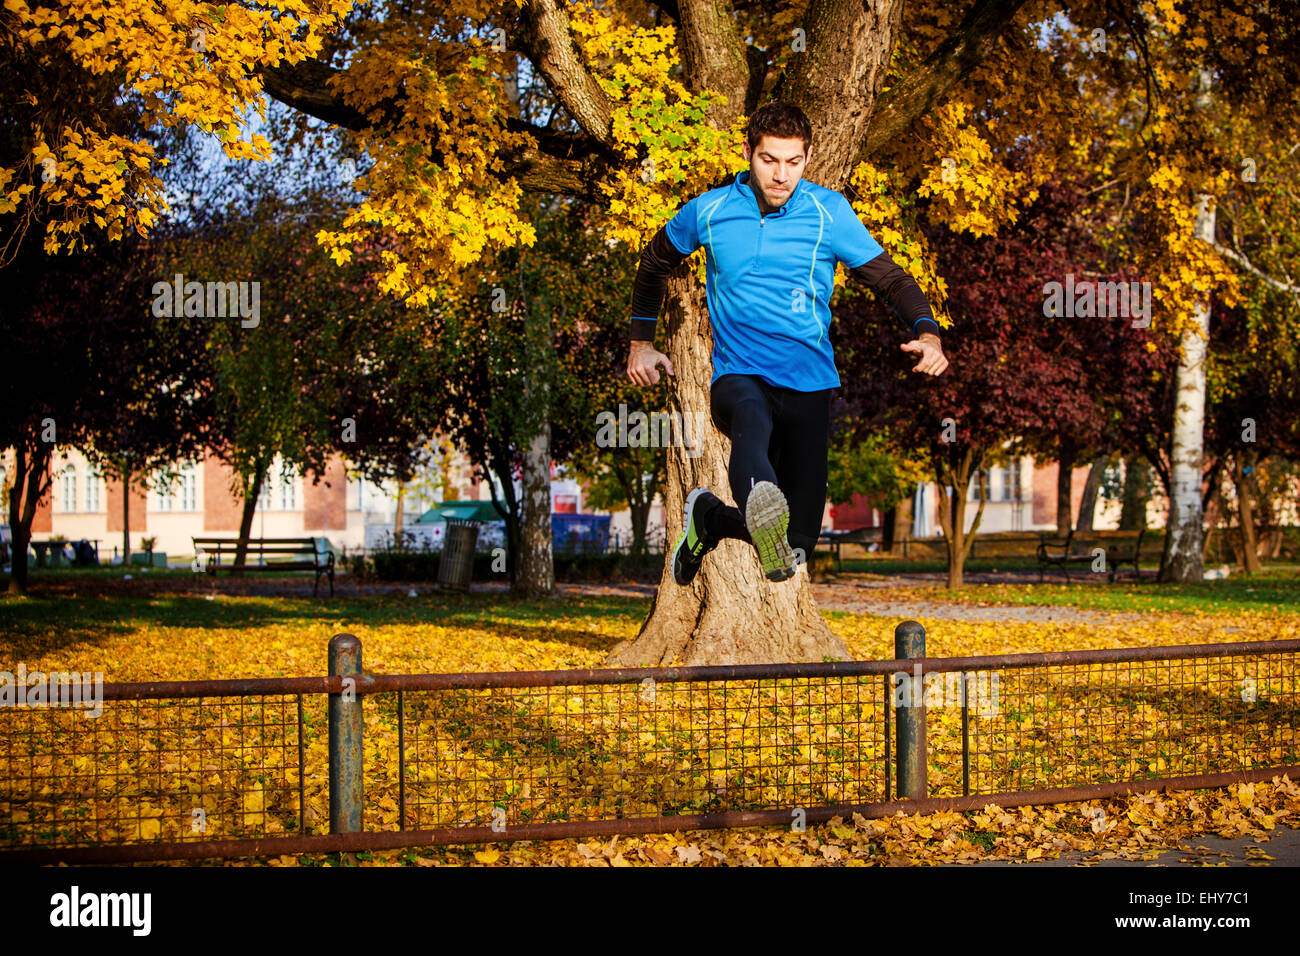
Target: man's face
x,y
775,168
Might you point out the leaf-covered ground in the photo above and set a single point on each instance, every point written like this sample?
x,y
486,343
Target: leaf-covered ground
x,y
177,634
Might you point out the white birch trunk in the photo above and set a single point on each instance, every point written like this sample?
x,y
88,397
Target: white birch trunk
x,y
1185,533
536,576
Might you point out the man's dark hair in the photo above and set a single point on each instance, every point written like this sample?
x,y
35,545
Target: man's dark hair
x,y
780,120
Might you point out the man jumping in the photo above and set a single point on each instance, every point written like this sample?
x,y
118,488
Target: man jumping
x,y
768,293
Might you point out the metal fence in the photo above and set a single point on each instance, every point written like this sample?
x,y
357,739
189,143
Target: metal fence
x,y
358,761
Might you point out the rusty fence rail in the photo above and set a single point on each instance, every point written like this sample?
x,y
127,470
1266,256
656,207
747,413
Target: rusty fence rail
x,y
356,761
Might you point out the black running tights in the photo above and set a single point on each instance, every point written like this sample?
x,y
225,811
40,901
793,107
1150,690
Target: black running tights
x,y
779,435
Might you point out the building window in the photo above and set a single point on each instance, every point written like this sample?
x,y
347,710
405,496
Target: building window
x,y
187,486
175,491
93,480
973,490
162,493
287,490
1011,481
69,485
279,490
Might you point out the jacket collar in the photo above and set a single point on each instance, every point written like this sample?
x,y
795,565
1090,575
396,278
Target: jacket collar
x,y
741,185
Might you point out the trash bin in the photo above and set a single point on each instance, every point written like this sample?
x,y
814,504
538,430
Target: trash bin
x,y
456,568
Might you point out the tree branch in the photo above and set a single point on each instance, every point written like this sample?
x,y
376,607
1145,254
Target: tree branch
x,y
713,54
913,95
562,163
542,34
1241,260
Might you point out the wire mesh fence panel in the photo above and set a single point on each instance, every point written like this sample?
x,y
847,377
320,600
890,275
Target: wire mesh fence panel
x,y
150,770
509,756
219,761
1078,724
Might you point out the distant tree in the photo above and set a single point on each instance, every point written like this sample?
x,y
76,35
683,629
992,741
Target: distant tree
x,y
89,367
1019,380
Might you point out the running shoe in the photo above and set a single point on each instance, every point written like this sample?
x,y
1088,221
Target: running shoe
x,y
767,516
694,544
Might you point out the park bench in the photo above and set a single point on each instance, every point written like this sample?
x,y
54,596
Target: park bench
x,y
286,554
1063,552
1115,557
838,538
1055,552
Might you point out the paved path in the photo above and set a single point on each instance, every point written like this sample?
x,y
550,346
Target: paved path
x,y
1206,849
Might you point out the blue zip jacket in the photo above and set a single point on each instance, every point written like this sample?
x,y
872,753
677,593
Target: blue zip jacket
x,y
769,279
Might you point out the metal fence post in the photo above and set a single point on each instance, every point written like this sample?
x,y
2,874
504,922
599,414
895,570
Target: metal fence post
x,y
909,642
345,737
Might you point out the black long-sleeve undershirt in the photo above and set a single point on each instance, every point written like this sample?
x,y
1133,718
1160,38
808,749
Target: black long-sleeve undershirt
x,y
660,257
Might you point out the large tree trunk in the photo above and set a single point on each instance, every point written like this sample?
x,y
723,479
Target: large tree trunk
x,y
1241,477
126,517
399,513
1137,492
639,511
1088,504
252,492
902,524
1064,487
888,521
536,572
1184,529
731,613
31,479
536,576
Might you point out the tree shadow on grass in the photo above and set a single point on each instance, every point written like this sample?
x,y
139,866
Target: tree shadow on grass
x,y
44,622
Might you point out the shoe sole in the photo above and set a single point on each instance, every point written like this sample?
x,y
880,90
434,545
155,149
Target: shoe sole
x,y
681,542
767,516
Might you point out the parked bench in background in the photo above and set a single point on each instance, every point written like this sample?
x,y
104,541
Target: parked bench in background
x,y
1115,556
840,537
290,554
1055,552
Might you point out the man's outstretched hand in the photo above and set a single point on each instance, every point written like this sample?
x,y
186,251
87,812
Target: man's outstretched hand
x,y
932,361
641,362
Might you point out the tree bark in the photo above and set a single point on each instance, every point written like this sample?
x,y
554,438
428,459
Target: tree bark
x,y
536,576
1185,531
399,513
640,515
902,523
31,480
1088,504
1064,487
1137,491
1241,477
126,517
252,491
953,482
888,521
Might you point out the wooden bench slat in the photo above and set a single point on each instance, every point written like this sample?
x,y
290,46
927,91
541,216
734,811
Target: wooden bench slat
x,y
285,554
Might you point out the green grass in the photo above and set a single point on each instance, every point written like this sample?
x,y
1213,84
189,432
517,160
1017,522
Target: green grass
x,y
1275,589
108,614
933,565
